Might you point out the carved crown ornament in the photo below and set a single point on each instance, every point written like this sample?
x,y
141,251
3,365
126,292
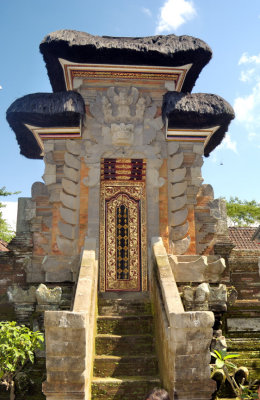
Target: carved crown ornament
x,y
126,118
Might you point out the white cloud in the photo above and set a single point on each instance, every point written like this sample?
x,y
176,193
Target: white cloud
x,y
247,108
248,75
246,59
229,144
147,11
1,87
173,14
9,213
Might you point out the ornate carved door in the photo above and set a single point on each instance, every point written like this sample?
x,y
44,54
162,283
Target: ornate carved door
x,y
123,250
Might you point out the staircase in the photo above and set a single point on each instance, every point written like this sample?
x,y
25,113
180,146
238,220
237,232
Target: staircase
x,y
125,364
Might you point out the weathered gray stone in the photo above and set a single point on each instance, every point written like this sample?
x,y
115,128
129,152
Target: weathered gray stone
x,y
177,175
175,161
69,201
48,157
48,145
178,232
25,212
18,295
173,147
188,293
198,148
202,293
218,295
73,147
207,190
198,162
190,271
243,324
71,173
39,189
69,216
49,179
50,169
67,230
72,161
45,295
177,203
66,246
178,217
214,269
181,246
69,187
177,189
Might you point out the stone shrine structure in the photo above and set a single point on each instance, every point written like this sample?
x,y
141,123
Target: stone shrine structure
x,y
123,217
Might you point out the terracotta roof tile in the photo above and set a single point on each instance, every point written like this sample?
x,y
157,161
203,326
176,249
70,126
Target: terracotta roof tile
x,y
3,245
242,237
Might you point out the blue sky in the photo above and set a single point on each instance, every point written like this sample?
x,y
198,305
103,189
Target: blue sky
x,y
230,27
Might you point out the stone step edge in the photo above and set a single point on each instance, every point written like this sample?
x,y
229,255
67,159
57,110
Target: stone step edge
x,y
111,336
125,357
124,317
126,379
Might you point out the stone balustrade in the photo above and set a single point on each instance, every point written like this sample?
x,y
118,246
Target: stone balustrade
x,y
70,337
183,338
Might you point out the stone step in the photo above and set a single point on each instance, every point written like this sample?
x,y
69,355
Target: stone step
x,y
121,325
124,304
128,388
120,345
115,366
243,344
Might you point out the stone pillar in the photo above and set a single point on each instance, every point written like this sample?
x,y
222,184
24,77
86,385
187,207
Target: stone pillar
x,y
65,355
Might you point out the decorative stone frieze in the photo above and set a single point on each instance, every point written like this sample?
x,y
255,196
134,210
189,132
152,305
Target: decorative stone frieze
x,y
197,268
178,212
208,219
18,295
24,302
48,299
205,297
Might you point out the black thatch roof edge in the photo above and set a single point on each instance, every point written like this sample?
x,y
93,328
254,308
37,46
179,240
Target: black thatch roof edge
x,y
43,110
81,47
198,110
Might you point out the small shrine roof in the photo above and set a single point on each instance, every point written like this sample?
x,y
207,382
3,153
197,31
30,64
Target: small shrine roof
x,y
43,110
162,50
241,237
198,111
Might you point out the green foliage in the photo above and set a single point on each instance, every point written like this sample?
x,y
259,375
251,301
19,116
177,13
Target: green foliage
x,y
223,358
247,393
6,232
243,212
243,392
17,347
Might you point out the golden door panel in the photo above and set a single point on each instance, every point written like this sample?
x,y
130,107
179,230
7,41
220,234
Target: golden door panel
x,y
123,250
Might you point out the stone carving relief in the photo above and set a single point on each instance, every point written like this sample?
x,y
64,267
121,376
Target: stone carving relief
x,y
208,218
184,171
205,297
69,209
179,226
122,117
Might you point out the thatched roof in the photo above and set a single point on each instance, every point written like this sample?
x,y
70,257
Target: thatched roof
x,y
43,110
81,47
198,110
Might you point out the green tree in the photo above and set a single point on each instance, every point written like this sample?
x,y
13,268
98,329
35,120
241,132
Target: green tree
x,y
6,232
243,212
17,347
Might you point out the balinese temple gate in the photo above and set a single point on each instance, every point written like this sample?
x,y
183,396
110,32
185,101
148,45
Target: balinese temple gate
x,y
124,214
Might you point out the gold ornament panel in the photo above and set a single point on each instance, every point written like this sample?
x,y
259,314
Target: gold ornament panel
x,y
123,249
